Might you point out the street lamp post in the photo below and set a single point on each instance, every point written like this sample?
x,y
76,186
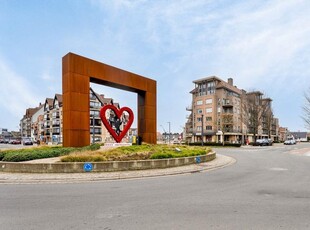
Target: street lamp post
x,y
169,133
201,129
93,128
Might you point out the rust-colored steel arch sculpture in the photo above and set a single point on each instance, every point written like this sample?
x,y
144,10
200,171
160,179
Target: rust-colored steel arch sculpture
x,y
77,73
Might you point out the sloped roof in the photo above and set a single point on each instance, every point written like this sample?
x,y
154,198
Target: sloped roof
x,y
59,98
30,111
225,85
49,101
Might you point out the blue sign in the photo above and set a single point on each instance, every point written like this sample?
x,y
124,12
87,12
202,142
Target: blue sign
x,y
88,167
198,160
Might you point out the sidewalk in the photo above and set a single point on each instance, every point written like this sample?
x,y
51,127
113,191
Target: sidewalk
x,y
35,178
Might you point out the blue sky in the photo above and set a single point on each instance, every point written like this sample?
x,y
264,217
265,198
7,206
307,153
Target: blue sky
x,y
263,45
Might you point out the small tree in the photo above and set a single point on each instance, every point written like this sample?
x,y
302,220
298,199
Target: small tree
x,y
254,108
225,123
306,110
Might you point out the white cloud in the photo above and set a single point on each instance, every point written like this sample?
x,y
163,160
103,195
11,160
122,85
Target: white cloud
x,y
15,95
263,45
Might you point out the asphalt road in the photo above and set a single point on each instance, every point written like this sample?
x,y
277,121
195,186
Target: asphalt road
x,y
268,188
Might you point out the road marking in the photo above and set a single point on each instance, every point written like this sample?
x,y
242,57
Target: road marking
x,y
278,169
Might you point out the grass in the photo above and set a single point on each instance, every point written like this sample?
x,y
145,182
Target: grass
x,y
136,152
93,153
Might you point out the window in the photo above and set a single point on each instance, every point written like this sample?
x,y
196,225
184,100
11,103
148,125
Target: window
x,y
210,87
208,118
199,111
209,110
199,119
209,101
94,113
198,128
199,102
208,127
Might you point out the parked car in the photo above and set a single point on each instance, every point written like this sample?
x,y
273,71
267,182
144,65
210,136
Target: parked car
x,y
4,141
263,142
27,141
290,141
15,142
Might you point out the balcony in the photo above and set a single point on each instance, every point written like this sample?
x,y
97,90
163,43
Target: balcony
x,y
189,108
56,125
227,102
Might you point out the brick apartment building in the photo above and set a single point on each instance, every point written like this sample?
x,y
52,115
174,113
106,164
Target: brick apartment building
x,y
222,112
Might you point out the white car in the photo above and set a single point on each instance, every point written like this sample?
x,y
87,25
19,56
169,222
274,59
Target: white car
x,y
290,141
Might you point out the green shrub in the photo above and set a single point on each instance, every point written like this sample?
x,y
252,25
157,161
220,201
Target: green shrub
x,y
35,153
91,147
226,144
83,158
137,152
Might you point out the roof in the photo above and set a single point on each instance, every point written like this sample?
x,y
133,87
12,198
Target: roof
x,y
30,111
103,100
221,84
225,85
58,97
49,101
207,79
299,134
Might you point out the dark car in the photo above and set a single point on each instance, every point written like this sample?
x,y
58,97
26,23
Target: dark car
x,y
263,142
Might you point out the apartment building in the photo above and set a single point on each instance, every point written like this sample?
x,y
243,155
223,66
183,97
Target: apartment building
x,y
222,112
36,123
45,123
26,121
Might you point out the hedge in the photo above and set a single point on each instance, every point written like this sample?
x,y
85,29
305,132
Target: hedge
x,y
228,144
42,152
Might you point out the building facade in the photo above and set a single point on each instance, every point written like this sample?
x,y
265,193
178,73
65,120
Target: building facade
x,y
45,123
221,112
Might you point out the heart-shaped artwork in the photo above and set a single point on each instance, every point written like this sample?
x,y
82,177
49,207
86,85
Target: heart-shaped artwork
x,y
114,121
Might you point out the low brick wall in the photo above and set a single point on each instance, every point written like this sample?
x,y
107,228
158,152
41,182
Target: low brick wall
x,y
112,166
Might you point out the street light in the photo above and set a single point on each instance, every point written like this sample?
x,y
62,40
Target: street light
x,y
169,133
201,129
93,116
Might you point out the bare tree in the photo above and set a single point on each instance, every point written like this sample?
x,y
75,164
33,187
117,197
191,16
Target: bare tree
x,y
254,110
225,123
269,118
306,110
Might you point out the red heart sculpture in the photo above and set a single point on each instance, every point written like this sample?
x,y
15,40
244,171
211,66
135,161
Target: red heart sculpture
x,y
118,113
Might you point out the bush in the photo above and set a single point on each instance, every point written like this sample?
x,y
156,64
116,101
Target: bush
x,y
137,152
91,147
2,154
35,153
226,144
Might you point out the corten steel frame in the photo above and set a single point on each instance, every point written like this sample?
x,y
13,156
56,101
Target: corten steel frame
x,y
77,73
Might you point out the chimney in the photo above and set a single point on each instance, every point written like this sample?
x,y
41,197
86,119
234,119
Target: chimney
x,y
230,81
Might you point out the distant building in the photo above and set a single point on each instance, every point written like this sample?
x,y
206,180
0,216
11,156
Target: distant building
x,y
283,132
26,121
300,136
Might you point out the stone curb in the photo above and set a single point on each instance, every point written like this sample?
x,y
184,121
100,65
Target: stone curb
x,y
79,167
51,178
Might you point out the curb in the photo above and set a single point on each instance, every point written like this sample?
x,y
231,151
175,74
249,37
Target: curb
x,y
111,166
52,178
